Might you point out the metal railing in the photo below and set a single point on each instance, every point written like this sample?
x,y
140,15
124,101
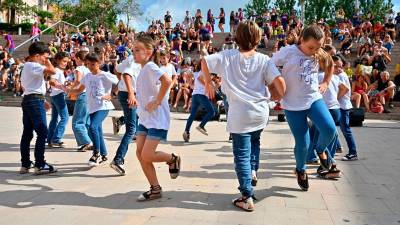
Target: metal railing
x,y
61,21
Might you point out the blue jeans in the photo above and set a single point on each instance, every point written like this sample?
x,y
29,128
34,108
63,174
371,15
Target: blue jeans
x,y
197,101
335,144
33,119
246,151
345,127
321,118
58,109
81,121
152,133
96,131
130,119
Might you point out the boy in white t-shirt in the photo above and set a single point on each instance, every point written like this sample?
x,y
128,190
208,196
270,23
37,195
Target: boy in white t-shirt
x,y
128,70
36,69
59,107
244,75
169,69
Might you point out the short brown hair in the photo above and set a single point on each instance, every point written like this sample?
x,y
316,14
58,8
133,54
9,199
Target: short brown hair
x,y
312,32
248,35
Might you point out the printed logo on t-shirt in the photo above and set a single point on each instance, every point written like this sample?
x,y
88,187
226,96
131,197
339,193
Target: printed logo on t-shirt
x,y
309,67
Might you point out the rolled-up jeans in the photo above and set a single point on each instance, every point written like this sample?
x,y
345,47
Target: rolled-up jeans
x,y
81,121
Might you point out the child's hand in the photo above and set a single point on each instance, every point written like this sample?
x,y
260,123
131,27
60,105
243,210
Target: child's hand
x,y
47,106
107,97
322,87
131,101
151,106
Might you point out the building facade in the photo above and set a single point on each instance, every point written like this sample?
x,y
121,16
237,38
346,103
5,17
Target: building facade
x,y
7,16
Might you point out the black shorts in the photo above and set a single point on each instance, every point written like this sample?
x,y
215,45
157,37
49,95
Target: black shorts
x,y
206,37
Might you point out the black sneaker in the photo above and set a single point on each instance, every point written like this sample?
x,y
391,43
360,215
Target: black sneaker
x,y
332,173
85,148
118,166
45,169
302,180
391,105
57,145
202,130
93,160
385,110
350,157
323,162
186,136
103,159
24,170
230,137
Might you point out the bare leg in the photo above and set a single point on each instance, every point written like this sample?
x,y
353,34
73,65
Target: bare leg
x,y
357,98
366,101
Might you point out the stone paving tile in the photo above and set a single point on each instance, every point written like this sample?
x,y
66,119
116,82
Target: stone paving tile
x,y
367,193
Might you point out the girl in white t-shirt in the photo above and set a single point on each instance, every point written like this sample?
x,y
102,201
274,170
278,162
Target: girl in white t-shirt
x,y
199,98
244,74
98,86
153,110
303,99
59,107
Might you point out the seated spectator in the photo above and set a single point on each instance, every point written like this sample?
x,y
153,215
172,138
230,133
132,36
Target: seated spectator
x,y
194,40
185,86
346,44
229,43
388,43
390,29
384,89
359,92
379,29
205,36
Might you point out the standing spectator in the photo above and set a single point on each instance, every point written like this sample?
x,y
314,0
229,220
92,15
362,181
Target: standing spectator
x,y
397,23
35,32
232,22
390,29
198,19
168,21
187,21
10,45
221,18
210,19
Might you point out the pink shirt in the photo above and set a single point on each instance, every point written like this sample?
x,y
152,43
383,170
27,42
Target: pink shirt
x,y
35,31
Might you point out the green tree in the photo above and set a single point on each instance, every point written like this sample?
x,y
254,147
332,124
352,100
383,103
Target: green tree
x,y
285,6
128,8
378,8
15,7
318,9
347,5
256,6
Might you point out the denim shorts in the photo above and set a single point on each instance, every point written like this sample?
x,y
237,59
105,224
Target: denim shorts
x,y
152,133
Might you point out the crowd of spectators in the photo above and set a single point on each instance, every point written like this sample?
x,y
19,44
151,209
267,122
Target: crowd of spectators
x,y
364,42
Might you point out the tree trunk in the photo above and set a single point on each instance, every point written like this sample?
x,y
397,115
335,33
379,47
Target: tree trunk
x,y
302,2
12,16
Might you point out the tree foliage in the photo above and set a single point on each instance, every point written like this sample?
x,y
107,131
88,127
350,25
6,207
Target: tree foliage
x,y
285,6
16,7
378,8
256,6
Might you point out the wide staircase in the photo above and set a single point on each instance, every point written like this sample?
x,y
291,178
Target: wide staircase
x,y
7,99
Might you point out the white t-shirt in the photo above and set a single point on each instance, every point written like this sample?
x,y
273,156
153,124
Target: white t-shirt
x,y
198,86
243,82
345,101
128,66
169,69
32,78
331,93
147,88
84,71
60,78
301,76
98,86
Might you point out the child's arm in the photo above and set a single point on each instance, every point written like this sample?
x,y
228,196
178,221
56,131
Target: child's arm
x,y
165,84
343,89
210,92
49,69
277,88
131,92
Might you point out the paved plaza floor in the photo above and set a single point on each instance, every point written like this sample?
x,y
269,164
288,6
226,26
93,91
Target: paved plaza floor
x,y
367,193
